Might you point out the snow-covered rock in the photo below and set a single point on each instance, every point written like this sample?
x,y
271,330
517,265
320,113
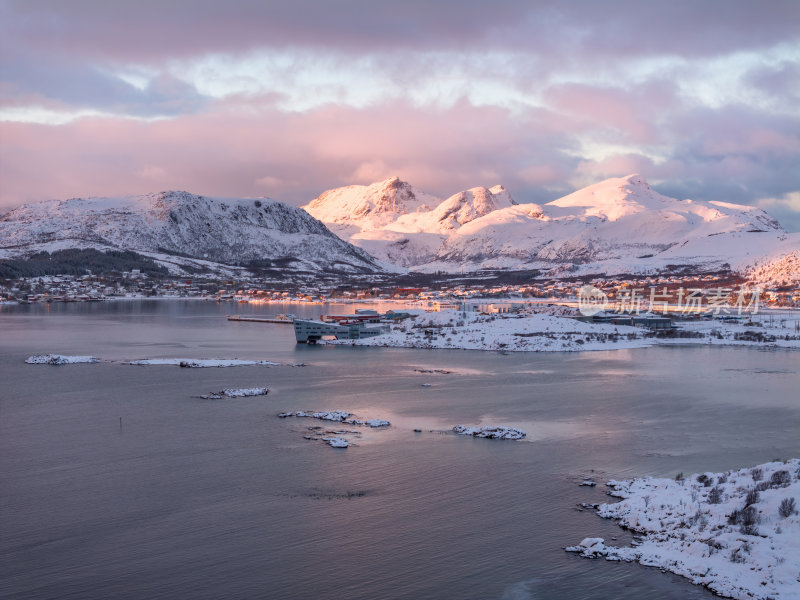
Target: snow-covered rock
x,y
490,432
177,226
336,442
59,359
327,415
737,533
338,416
237,393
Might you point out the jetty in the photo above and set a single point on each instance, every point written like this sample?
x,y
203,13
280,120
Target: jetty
x,y
281,319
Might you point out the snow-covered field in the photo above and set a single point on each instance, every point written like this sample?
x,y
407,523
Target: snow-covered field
x,y
737,533
540,332
473,331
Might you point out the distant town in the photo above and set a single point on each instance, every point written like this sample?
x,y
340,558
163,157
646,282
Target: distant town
x,y
697,292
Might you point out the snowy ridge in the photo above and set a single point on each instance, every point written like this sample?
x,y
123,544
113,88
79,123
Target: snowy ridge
x,y
170,224
619,225
737,533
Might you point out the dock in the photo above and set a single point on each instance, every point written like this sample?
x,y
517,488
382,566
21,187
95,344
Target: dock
x,y
282,321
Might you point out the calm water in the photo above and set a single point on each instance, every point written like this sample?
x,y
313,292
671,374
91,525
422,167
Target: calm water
x,y
221,499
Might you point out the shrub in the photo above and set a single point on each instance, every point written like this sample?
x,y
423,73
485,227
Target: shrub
x,y
780,478
756,474
749,520
736,556
761,486
787,508
715,495
704,479
752,497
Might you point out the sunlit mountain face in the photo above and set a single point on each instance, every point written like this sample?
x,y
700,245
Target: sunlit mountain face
x,y
619,225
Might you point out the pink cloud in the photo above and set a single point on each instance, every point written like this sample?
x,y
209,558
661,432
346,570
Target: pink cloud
x,y
615,114
290,156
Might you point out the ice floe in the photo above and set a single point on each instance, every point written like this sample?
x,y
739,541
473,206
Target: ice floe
x,y
236,393
736,533
490,432
59,359
201,362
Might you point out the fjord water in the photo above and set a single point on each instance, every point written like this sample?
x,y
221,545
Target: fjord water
x,y
116,481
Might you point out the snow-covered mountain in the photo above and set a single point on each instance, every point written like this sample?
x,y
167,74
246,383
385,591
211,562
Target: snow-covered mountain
x,y
619,225
177,226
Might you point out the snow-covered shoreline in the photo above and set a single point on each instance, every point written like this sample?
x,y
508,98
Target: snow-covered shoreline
x,y
737,533
543,332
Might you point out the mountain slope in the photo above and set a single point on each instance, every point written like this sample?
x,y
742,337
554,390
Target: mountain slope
x,y
179,224
620,225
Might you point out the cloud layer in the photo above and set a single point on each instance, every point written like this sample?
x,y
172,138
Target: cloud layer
x,y
288,99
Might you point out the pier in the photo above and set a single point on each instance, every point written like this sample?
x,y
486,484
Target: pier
x,y
282,319
310,332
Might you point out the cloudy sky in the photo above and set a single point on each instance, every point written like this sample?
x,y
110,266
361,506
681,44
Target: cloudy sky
x,y
286,99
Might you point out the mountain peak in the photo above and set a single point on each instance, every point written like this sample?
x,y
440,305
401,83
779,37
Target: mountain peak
x,y
615,198
370,206
636,179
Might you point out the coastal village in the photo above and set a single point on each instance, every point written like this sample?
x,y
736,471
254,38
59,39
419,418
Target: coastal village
x,y
437,294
